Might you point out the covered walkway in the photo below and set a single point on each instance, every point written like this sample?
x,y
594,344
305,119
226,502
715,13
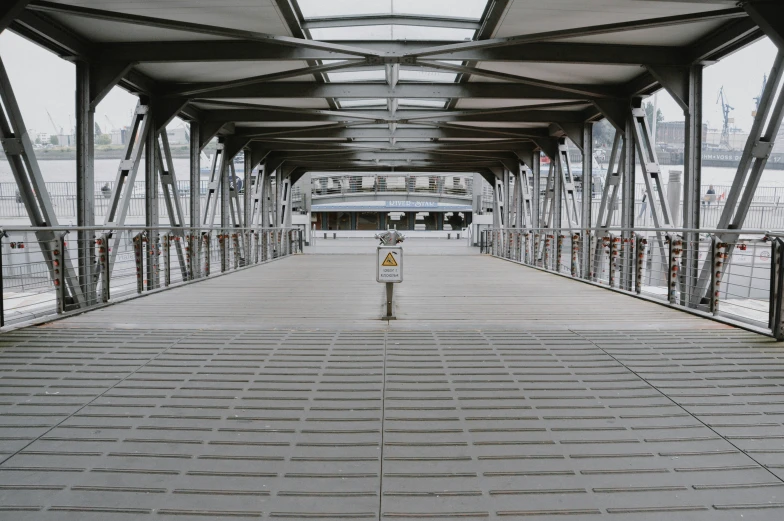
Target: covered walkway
x,y
501,392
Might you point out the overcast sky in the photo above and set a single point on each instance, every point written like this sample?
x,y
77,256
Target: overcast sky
x,y
43,82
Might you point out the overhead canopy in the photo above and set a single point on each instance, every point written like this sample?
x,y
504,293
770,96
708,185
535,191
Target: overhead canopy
x,y
429,84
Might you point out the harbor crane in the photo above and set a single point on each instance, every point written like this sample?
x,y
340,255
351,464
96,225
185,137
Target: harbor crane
x,y
54,125
726,109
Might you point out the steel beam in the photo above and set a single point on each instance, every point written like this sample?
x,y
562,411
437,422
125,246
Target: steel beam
x,y
391,19
171,196
400,134
290,90
10,11
767,14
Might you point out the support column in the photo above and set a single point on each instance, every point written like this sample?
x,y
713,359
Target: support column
x,y
558,192
225,202
692,181
627,204
586,218
194,199
536,169
85,182
247,190
151,207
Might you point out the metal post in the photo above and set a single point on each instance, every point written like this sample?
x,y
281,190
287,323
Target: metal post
x,y
247,205
194,244
777,289
390,290
58,255
151,208
586,218
692,162
103,259
675,250
536,169
207,253
138,254
716,261
85,182
167,259
639,250
627,203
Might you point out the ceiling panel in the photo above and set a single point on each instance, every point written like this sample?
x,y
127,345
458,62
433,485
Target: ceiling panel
x,y
216,71
249,15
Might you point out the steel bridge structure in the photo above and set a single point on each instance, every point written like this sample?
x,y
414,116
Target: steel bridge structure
x,y
503,89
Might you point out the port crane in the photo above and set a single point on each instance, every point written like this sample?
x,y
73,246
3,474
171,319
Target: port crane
x,y
54,125
726,109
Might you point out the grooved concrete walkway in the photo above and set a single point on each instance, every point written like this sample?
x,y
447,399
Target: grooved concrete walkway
x,y
500,393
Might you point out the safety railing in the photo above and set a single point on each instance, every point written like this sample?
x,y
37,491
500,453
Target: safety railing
x,y
736,276
40,275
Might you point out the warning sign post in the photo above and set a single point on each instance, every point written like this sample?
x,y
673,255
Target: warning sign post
x,y
389,269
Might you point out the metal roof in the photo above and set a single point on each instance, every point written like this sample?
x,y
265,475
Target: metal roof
x,y
402,84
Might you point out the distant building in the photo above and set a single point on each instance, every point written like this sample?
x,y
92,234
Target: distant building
x,y
118,136
674,132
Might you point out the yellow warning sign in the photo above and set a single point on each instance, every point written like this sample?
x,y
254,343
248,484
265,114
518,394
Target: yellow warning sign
x,y
389,261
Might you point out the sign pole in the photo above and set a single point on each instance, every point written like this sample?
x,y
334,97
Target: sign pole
x,y
390,291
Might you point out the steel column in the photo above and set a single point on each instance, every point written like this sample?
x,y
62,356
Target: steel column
x,y
536,169
585,219
85,183
692,162
194,244
171,196
627,204
151,217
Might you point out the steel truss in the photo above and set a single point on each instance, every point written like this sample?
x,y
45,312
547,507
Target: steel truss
x,y
759,146
32,190
157,144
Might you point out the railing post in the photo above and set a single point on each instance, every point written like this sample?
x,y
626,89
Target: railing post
x,y
575,253
103,259
139,258
639,250
207,254
717,265
612,258
166,259
58,261
547,245
672,273
777,289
